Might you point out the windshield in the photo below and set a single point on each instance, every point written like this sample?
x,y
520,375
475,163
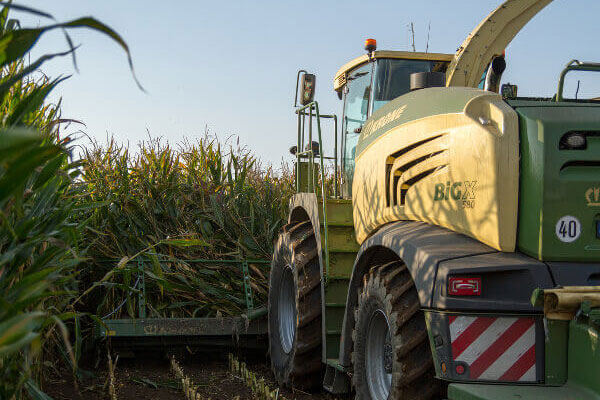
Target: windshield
x,y
392,77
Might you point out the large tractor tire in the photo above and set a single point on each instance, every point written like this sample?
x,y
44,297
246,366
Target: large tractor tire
x,y
391,355
295,309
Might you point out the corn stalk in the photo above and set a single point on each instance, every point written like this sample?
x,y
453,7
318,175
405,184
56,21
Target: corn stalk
x,y
201,200
39,242
257,385
187,385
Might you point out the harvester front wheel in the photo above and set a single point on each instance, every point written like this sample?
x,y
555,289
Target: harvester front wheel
x,y
295,308
391,355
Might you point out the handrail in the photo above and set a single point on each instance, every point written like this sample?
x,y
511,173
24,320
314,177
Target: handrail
x,y
300,111
336,171
574,65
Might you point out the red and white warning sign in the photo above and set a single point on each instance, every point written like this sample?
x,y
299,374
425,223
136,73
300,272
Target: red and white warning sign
x,y
501,349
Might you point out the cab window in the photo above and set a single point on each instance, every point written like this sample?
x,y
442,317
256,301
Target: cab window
x,y
392,77
356,110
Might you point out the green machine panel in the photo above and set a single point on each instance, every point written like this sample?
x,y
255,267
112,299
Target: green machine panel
x,y
559,199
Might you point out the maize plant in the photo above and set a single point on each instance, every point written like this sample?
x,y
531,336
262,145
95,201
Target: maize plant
x,y
200,200
39,239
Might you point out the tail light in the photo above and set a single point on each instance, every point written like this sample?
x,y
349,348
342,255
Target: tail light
x,y
464,286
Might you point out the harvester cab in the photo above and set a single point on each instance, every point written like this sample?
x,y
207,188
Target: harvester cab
x,y
364,85
369,82
458,199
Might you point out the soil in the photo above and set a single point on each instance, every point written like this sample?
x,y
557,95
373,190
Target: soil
x,y
148,376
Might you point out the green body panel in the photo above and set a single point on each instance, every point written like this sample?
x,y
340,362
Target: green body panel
x,y
413,106
549,189
584,351
557,340
467,391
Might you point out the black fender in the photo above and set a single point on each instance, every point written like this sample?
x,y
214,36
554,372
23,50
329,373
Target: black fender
x,y
421,247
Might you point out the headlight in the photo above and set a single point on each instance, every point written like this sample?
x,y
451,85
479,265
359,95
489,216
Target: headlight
x,y
573,141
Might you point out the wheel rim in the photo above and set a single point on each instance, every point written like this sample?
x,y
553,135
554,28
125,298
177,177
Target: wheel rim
x,y
287,310
379,356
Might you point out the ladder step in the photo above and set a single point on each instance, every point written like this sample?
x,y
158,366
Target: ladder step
x,y
333,362
336,380
338,278
338,224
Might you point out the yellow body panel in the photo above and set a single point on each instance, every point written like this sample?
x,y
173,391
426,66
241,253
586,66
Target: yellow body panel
x,y
472,155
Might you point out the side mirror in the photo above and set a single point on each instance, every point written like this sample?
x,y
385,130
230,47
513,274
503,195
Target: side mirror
x,y
307,88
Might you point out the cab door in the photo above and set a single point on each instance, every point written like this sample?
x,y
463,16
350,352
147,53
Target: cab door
x,y
357,94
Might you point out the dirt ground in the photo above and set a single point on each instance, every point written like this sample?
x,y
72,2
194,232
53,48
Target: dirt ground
x,y
148,376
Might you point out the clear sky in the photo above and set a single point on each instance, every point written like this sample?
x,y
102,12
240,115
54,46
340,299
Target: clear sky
x,y
231,65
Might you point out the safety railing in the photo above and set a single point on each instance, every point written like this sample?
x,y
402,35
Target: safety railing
x,y
140,284
574,65
306,116
305,151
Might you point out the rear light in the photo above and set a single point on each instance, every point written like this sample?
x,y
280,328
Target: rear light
x,y
464,286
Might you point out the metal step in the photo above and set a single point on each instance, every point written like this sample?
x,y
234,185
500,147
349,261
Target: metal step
x,y
339,212
341,239
336,380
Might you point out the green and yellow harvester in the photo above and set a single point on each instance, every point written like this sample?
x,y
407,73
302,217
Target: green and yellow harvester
x,y
459,257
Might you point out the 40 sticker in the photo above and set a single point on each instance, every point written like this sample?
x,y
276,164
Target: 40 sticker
x,y
568,229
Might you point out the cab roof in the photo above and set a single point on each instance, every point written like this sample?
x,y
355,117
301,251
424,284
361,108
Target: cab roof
x,y
340,77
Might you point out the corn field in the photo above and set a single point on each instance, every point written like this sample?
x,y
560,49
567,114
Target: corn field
x,y
198,200
41,249
71,231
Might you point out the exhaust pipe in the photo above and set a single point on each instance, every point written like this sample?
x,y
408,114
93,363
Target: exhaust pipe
x,y
494,74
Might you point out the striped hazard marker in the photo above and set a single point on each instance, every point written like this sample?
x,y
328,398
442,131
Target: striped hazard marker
x,y
500,349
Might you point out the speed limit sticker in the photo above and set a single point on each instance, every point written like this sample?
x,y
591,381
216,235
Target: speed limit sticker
x,y
568,229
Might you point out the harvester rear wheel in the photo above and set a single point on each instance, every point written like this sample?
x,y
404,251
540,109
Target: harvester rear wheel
x,y
391,355
295,308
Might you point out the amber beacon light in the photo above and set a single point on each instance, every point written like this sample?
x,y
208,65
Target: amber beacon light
x,y
370,45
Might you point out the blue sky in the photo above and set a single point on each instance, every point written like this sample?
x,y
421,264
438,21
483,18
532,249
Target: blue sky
x,y
231,65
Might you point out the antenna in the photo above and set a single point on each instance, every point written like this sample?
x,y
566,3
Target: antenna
x,y
412,31
428,32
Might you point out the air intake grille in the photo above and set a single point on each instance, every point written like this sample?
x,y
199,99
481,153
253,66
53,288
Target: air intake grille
x,y
341,80
410,165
